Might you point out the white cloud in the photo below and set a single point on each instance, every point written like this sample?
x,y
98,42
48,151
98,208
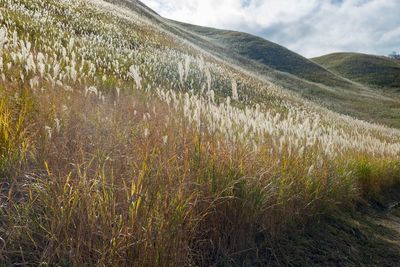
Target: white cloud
x,y
309,27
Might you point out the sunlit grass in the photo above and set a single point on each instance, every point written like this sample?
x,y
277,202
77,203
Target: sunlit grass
x,y
116,149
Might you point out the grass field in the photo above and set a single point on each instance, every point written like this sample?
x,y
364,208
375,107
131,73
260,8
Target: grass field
x,y
122,145
271,62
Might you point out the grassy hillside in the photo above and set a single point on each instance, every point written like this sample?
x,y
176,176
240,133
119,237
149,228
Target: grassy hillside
x,y
268,53
272,63
367,69
330,90
123,144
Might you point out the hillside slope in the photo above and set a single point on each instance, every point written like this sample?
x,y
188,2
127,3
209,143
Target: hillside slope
x,y
367,69
127,140
292,71
270,62
268,53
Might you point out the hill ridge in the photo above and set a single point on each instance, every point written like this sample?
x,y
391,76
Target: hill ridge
x,y
370,70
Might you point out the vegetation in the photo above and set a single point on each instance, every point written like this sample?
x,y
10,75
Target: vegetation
x,y
269,54
122,145
366,69
287,69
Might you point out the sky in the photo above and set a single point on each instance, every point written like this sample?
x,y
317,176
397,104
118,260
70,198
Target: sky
x,y
308,27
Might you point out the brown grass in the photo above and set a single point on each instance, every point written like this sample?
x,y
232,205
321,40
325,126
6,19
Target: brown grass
x,y
99,192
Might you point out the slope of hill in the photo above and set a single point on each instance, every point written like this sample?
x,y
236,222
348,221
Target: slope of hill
x,y
126,140
367,69
273,63
268,53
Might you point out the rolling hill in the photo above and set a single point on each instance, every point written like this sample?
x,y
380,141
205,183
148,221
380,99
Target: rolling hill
x,y
267,53
273,63
371,70
127,139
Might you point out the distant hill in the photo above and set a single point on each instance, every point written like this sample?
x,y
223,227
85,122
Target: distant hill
x,y
367,69
267,53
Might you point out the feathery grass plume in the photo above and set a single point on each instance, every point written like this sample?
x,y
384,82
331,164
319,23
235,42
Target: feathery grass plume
x,y
3,37
49,131
146,132
71,44
181,72
91,90
187,67
135,74
118,90
200,62
56,71
58,124
165,139
208,76
235,95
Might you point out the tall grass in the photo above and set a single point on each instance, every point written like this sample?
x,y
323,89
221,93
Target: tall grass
x,y
14,144
113,152
101,192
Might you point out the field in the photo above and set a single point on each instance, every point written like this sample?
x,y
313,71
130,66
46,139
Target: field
x,y
123,145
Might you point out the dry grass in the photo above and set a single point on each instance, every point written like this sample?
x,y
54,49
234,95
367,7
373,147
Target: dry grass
x,y
112,177
101,192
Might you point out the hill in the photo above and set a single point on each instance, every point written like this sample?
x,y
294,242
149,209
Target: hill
x,y
127,139
371,70
267,53
274,63
285,68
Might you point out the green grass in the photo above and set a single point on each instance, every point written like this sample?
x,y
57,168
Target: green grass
x,y
366,69
267,53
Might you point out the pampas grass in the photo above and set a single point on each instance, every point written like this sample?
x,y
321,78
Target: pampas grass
x,y
112,155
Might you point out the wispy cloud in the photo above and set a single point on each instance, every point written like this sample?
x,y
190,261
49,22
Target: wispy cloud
x,y
309,27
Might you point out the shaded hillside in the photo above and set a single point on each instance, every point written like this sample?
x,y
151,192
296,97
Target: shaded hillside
x,y
268,53
366,69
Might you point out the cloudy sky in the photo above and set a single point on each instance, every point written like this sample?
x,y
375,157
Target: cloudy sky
x,y
309,27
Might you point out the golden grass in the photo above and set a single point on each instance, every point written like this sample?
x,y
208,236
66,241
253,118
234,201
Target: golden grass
x,y
101,192
118,177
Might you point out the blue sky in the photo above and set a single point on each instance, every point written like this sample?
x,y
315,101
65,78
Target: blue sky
x,y
309,27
